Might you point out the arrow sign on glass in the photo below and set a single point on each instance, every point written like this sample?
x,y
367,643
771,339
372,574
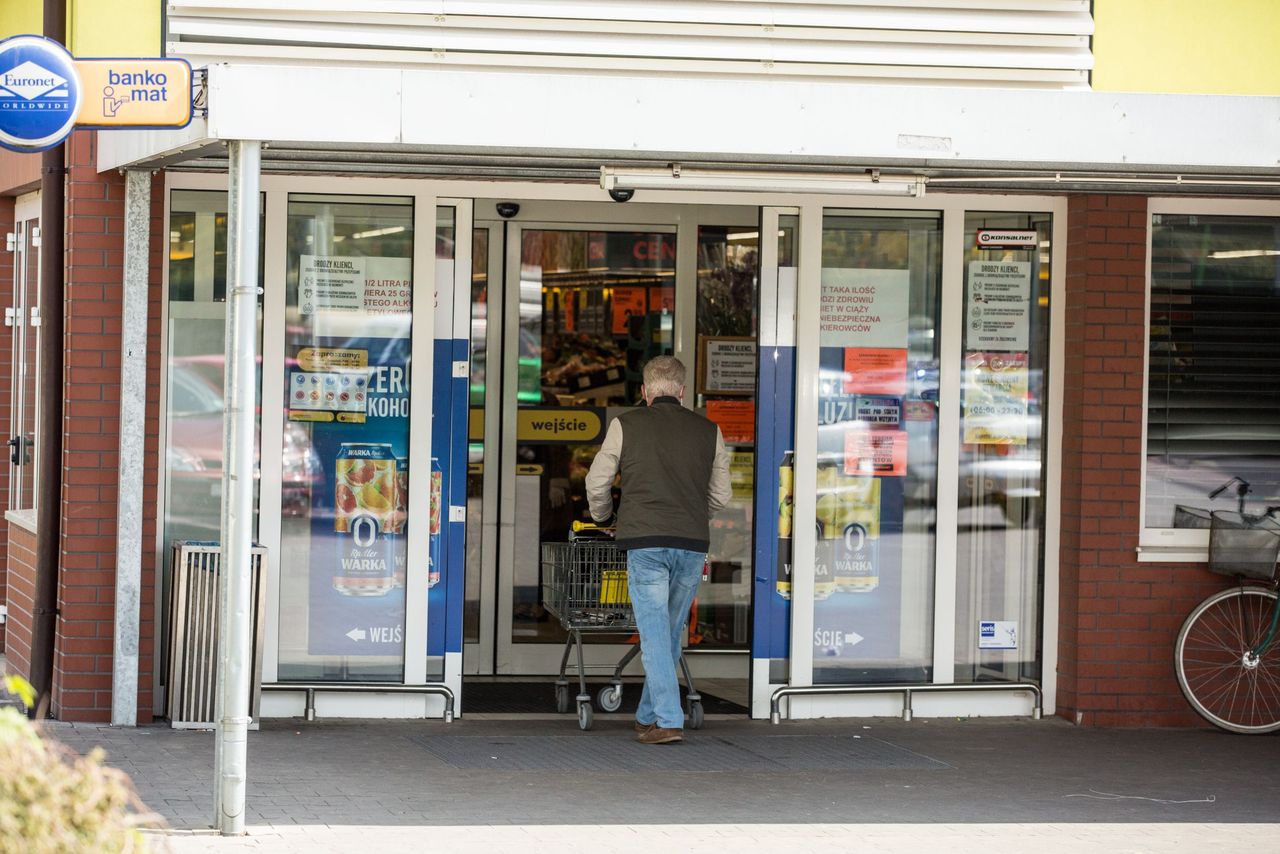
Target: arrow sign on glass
x,y
360,634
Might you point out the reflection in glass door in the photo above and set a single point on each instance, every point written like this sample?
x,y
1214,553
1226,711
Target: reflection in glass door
x,y
877,447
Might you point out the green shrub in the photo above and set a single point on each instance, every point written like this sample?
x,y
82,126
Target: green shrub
x,y
55,802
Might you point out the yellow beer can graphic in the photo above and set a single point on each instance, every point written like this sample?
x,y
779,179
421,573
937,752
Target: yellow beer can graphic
x,y
857,542
824,583
786,505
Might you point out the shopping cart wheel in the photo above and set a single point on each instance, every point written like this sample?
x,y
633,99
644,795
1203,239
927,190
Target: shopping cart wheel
x,y
562,698
610,698
695,715
584,715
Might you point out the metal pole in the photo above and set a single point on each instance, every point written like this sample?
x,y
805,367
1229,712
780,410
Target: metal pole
x,y
235,648
49,427
133,412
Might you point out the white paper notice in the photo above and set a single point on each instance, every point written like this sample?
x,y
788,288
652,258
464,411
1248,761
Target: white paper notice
x,y
388,285
999,307
731,365
864,308
331,283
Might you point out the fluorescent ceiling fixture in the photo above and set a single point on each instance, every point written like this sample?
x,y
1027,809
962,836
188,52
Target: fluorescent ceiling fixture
x,y
675,178
1244,253
377,232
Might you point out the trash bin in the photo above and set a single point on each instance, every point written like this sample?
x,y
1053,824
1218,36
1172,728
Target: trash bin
x,y
192,653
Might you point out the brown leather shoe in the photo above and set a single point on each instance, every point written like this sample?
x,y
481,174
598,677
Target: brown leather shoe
x,y
639,727
660,735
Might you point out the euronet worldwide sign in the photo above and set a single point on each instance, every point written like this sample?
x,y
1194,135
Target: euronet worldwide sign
x,y
45,93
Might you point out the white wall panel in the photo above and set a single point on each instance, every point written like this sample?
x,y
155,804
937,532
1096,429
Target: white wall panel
x,y
1036,43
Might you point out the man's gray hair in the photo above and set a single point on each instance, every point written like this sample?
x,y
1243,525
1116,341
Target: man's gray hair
x,y
664,375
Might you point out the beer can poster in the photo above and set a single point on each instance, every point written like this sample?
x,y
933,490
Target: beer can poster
x,y
359,511
858,609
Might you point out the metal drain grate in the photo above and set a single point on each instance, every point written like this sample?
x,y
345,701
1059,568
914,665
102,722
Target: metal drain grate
x,y
698,753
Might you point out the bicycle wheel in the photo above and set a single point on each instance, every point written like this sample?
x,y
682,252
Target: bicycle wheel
x,y
1219,675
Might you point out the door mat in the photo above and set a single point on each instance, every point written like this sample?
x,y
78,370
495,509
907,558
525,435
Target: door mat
x,y
702,751
540,698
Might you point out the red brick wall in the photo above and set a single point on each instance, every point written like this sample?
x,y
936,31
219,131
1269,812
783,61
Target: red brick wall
x,y
95,227
21,591
1119,618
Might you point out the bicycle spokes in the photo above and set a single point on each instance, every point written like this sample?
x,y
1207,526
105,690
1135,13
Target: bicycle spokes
x,y
1229,663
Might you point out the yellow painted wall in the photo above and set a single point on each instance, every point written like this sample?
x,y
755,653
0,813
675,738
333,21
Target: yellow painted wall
x,y
1212,47
94,27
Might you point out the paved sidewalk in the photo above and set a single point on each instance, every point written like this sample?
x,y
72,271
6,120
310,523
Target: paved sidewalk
x,y
881,785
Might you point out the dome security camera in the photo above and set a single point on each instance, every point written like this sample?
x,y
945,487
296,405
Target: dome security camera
x,y
621,194
507,210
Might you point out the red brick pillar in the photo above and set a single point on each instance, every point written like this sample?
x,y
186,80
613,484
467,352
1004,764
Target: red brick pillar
x,y
94,274
1118,617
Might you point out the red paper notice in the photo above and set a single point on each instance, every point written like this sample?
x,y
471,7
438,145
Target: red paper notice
x,y
875,453
735,418
873,370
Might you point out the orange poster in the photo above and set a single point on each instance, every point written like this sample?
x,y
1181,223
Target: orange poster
x,y
662,299
874,370
875,453
735,418
627,303
570,315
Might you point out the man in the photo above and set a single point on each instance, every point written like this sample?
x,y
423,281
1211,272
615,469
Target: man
x,y
675,477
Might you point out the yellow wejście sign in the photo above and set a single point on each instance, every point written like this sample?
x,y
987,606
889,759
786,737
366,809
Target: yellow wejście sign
x,y
134,93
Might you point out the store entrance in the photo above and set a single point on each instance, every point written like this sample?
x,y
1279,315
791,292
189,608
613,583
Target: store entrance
x,y
568,302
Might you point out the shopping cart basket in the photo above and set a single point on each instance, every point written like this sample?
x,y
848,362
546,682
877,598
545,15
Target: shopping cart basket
x,y
585,588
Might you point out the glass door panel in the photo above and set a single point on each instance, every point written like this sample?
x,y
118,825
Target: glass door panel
x,y
725,384
877,447
1004,379
349,300
592,307
476,398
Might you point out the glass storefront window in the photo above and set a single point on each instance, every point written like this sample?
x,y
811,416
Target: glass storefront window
x,y
349,300
725,384
194,383
1213,400
1004,380
196,344
877,447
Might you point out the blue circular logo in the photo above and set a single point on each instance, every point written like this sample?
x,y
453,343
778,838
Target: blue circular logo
x,y
39,93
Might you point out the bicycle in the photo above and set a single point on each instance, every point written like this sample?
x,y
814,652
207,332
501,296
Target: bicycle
x,y
1227,658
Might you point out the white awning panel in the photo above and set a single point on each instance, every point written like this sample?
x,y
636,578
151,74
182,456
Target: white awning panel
x,y
711,120
1034,43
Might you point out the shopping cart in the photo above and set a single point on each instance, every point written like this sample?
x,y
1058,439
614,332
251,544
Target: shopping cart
x,y
585,588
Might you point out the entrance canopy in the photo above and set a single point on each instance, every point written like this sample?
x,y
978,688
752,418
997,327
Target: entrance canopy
x,y
559,126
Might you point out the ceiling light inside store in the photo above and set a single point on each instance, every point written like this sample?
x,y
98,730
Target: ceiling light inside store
x,y
378,232
676,178
1244,253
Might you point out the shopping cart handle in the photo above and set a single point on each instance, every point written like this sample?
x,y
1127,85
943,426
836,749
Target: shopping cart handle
x,y
581,530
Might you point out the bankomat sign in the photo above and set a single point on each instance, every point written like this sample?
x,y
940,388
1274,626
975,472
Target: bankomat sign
x,y
45,93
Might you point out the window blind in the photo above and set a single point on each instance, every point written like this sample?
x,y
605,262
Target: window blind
x,y
1213,387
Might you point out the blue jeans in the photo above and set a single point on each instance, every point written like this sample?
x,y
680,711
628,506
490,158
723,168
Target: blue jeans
x,y
662,583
